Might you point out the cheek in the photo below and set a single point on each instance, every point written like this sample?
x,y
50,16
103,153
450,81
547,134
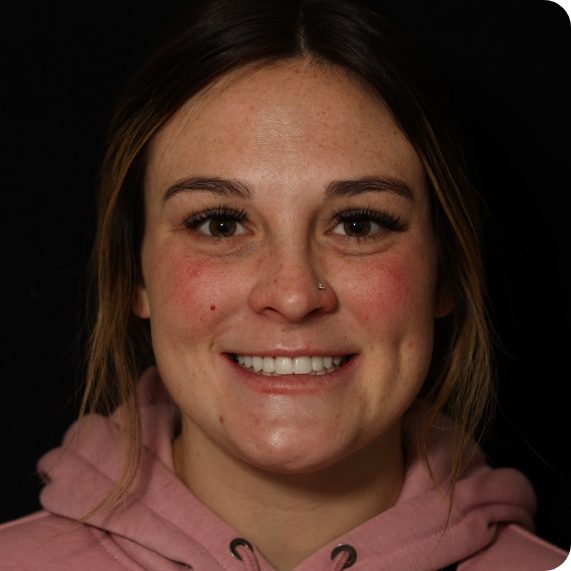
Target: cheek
x,y
187,290
393,289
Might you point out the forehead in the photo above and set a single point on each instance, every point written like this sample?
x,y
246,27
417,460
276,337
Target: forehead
x,y
255,119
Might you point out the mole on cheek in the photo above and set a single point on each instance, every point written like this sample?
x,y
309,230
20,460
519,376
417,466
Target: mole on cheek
x,y
221,419
212,307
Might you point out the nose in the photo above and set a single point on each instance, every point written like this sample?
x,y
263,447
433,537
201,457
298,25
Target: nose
x,y
290,287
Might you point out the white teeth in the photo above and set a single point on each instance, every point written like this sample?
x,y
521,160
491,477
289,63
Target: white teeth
x,y
301,365
316,364
284,366
269,364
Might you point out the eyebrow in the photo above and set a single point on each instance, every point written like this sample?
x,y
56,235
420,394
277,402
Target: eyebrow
x,y
342,188
335,189
222,186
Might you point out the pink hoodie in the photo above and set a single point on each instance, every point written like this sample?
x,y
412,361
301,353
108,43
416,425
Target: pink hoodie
x,y
163,527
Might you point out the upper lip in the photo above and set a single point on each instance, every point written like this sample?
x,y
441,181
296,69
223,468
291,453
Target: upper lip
x,y
311,352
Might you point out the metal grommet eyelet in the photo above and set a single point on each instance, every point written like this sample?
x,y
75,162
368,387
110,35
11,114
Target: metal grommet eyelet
x,y
239,541
348,549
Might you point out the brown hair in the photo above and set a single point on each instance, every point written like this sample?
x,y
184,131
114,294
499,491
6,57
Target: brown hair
x,y
221,35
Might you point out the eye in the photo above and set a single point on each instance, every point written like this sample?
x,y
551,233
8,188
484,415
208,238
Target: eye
x,y
356,227
221,227
219,222
365,223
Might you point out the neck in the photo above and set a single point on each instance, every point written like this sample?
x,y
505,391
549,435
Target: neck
x,y
289,516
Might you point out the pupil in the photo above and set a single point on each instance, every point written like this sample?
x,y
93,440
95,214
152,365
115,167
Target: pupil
x,y
222,227
358,227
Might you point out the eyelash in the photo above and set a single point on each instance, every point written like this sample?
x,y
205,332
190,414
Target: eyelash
x,y
198,218
382,218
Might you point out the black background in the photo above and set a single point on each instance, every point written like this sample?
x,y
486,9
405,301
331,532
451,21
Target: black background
x,y
506,65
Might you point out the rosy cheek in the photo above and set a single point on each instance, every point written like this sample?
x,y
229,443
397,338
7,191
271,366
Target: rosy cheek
x,y
389,289
193,290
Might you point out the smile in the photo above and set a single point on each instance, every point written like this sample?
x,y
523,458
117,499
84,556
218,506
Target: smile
x,y
299,365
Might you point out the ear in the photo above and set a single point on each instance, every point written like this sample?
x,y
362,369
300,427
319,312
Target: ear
x,y
444,301
141,307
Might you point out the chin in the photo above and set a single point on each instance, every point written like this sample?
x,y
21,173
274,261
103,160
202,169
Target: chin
x,y
297,464
285,453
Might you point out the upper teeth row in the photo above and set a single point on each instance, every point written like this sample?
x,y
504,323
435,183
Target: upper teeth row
x,y
289,365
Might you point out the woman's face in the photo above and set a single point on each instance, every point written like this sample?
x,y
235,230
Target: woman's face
x,y
271,181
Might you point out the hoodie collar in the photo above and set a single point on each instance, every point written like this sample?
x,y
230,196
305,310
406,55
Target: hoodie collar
x,y
160,514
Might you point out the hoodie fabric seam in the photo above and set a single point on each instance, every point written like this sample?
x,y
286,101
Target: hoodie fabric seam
x,y
133,495
428,538
102,541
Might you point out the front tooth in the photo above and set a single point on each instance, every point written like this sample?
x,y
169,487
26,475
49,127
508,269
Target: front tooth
x,y
327,362
284,366
301,365
248,361
257,363
268,365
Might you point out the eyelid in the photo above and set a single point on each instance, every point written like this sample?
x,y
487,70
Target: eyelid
x,y
195,219
382,218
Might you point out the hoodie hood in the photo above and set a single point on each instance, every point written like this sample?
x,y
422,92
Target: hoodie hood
x,y
160,522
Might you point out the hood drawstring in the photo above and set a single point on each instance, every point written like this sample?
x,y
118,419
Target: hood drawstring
x,y
343,556
242,550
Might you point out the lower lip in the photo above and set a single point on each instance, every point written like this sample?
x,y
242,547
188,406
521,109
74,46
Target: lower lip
x,y
293,384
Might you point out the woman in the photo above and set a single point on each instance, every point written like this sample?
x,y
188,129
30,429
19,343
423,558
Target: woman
x,y
288,258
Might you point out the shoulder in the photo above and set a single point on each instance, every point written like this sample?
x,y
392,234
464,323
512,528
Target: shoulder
x,y
43,541
516,549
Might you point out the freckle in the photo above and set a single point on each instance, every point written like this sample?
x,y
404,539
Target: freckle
x,y
257,421
212,307
221,419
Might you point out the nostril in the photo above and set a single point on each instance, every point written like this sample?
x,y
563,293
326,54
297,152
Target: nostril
x,y
292,294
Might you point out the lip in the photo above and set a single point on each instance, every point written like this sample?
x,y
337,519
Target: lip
x,y
292,384
293,353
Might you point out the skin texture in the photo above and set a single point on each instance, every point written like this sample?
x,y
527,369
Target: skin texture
x,y
313,456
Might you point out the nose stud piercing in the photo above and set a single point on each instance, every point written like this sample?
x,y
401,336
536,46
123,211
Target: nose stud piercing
x,y
320,285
